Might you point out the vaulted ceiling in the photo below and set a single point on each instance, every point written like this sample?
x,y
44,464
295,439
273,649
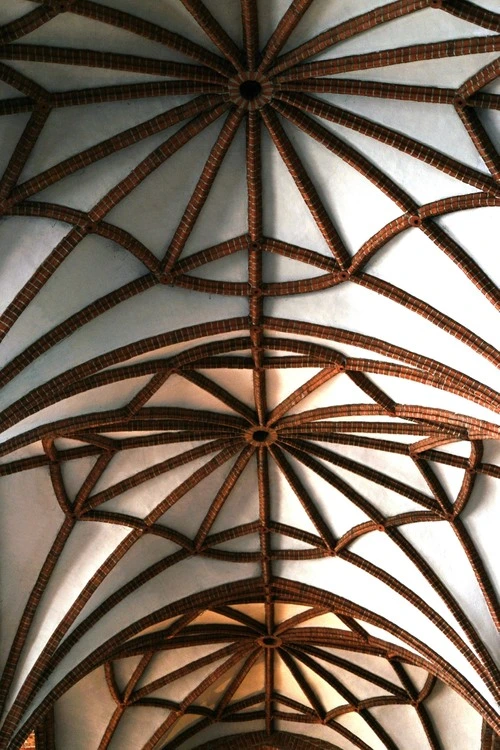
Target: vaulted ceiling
x,y
250,457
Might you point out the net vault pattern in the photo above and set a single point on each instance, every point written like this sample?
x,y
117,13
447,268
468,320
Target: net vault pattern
x,y
257,489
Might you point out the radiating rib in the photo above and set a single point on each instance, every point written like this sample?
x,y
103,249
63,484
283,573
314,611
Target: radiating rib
x,y
306,187
214,31
202,189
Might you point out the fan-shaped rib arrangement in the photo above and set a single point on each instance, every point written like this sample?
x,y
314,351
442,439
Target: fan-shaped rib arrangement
x,y
250,437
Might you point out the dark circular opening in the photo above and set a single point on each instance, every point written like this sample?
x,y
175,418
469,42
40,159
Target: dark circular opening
x,y
260,435
250,90
269,640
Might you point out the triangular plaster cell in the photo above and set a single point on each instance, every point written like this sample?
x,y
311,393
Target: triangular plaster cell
x,y
425,27
327,620
362,688
454,570
123,669
229,19
448,71
240,544
141,500
338,183
490,119
187,514
253,683
387,501
450,477
401,722
232,267
394,465
421,181
255,611
128,462
285,506
413,262
339,513
224,213
355,723
77,31
286,684
74,474
70,130
284,542
278,268
329,696
30,518
476,231
436,125
178,689
417,676
180,392
73,286
325,16
281,386
16,234
11,127
238,383
8,92
68,77
242,505
32,450
284,611
165,192
376,664
84,189
337,391
282,195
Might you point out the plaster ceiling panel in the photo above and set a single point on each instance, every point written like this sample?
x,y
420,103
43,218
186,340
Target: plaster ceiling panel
x,y
344,190
93,693
74,30
437,126
360,728
170,14
251,478
13,9
10,128
16,233
18,524
444,706
165,192
424,27
280,194
60,77
449,71
117,267
459,579
420,267
91,123
477,231
345,305
423,182
136,726
402,724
